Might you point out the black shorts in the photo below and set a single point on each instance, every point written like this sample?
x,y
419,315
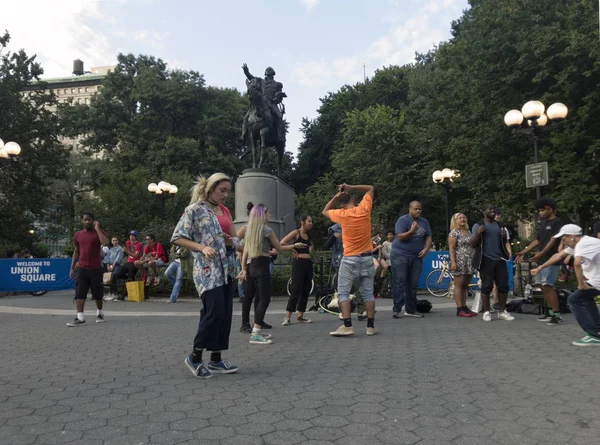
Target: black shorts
x,y
89,279
493,271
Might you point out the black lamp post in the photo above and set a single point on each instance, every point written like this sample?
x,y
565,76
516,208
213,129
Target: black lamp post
x,y
445,178
531,120
162,191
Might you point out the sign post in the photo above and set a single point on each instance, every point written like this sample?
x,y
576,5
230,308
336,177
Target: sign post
x,y
536,175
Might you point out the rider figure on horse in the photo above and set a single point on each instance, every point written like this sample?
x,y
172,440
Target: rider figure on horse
x,y
273,94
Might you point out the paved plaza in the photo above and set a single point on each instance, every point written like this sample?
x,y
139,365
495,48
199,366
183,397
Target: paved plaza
x,y
432,381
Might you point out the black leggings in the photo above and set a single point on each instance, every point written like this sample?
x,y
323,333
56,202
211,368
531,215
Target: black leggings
x,y
131,271
258,285
302,274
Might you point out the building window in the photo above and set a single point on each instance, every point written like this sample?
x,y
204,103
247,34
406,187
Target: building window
x,y
79,100
85,101
79,90
58,92
72,90
87,90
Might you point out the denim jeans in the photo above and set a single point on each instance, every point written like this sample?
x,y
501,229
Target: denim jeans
x,y
405,279
585,309
354,268
175,275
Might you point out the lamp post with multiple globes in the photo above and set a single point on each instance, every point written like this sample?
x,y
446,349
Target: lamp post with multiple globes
x,y
532,120
9,149
162,191
445,178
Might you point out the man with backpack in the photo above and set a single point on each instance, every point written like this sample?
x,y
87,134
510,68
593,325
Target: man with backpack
x,y
490,258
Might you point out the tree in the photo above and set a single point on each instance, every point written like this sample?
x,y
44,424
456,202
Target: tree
x,y
27,119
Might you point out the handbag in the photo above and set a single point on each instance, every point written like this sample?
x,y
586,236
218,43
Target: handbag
x,y
107,278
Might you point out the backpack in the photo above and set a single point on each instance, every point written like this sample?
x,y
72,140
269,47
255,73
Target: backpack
x,y
424,306
330,240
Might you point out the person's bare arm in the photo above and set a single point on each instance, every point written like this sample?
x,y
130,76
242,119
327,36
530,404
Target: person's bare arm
x,y
526,250
289,238
544,251
428,241
452,251
103,238
554,259
366,189
193,246
331,204
275,243
74,259
403,236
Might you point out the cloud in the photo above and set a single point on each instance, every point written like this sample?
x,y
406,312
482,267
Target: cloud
x,y
312,74
309,5
60,31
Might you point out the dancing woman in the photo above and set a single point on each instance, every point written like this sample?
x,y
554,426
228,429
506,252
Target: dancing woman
x,y
258,241
302,270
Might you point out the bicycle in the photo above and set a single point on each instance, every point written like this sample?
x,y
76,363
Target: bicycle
x,y
439,281
318,273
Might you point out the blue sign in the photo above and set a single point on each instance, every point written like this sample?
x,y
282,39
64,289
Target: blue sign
x,y
433,261
35,274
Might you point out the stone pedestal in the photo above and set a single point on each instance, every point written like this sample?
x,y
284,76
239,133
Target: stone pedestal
x,y
260,187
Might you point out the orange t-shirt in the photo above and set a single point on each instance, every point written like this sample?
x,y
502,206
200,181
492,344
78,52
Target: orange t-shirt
x,y
356,226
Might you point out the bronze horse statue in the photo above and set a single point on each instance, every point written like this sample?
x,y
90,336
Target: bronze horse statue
x,y
262,130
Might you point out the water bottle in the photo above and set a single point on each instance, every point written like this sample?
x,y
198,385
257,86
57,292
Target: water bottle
x,y
451,289
321,311
527,292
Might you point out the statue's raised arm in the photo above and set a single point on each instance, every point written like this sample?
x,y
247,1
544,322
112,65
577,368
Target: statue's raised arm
x,y
247,72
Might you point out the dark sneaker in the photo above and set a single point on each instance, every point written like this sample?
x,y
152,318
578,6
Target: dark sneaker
x,y
544,318
303,320
100,318
198,369
554,321
396,315
76,322
246,328
222,367
413,314
266,326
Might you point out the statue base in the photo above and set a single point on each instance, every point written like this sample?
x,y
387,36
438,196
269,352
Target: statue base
x,y
258,186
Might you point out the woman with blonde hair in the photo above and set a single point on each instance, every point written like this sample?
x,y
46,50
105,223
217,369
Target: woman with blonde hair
x,y
461,257
258,241
206,230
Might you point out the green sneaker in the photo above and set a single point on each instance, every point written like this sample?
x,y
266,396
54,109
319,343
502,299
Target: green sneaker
x,y
588,340
258,339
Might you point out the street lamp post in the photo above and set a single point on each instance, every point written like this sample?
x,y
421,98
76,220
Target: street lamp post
x,y
163,190
445,178
9,149
531,120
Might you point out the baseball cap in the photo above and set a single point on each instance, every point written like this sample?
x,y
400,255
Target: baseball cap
x,y
134,232
569,229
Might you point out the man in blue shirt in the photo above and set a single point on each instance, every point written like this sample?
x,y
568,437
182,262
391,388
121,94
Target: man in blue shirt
x,y
411,244
491,255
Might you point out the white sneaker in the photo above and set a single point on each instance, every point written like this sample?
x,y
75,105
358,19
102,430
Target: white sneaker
x,y
487,316
340,316
505,316
286,322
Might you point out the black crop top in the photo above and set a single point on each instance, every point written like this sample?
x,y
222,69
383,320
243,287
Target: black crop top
x,y
305,242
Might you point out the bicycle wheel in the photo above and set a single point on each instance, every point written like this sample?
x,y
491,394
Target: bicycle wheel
x,y
289,287
437,283
38,293
386,287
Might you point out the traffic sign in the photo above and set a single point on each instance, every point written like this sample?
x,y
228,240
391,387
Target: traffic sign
x,y
536,175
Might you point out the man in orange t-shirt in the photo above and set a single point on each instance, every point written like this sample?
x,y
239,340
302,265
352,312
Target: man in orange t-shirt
x,y
357,262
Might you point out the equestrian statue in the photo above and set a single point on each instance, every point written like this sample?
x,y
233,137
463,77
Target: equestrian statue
x,y
263,123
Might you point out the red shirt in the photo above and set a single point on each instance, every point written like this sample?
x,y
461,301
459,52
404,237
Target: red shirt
x,y
133,248
225,219
89,246
157,251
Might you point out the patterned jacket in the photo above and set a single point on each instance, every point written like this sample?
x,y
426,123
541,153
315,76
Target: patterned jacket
x,y
199,224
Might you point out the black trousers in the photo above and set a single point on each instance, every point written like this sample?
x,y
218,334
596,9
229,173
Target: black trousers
x,y
89,279
302,274
118,272
214,326
493,271
131,271
258,286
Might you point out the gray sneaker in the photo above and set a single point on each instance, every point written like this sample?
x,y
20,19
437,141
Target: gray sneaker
x,y
413,314
396,315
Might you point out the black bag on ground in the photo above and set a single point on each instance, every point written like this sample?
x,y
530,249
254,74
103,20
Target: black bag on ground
x,y
563,296
424,306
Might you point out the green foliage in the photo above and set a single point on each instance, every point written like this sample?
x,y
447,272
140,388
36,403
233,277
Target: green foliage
x,y
25,119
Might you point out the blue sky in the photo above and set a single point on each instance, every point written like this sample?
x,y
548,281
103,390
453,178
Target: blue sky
x,y
315,46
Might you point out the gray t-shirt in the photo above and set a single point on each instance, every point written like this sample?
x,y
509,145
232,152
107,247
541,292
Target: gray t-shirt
x,y
266,241
492,241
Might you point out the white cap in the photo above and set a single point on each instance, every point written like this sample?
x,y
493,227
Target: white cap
x,y
569,229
